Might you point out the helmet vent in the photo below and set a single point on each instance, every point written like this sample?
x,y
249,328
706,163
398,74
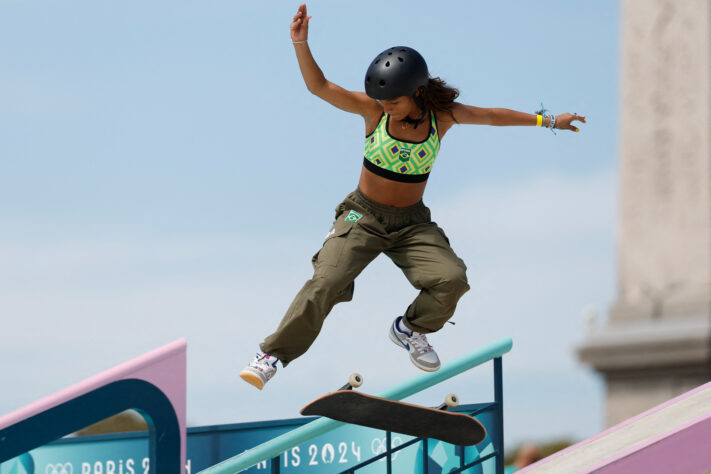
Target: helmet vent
x,y
400,59
387,64
377,61
382,82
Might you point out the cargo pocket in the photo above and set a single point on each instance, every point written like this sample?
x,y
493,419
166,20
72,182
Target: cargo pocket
x,y
333,245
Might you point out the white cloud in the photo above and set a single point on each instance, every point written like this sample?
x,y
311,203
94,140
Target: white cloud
x,y
545,208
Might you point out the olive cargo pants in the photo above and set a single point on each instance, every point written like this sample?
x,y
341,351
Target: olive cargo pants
x,y
362,230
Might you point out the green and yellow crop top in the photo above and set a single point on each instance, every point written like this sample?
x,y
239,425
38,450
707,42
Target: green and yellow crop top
x,y
399,160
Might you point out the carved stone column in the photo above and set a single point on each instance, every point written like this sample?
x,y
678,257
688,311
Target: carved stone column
x,y
657,342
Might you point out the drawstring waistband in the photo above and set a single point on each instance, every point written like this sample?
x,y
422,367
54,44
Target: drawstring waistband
x,y
393,218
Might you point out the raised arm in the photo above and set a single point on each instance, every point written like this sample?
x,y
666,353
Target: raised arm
x,y
316,82
468,114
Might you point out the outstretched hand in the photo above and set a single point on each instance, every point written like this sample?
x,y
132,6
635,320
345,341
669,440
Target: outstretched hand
x,y
564,121
300,25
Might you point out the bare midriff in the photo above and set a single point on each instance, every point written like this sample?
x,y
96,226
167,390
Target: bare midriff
x,y
390,193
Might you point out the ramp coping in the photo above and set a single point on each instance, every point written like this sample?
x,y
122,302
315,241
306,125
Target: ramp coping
x,y
631,435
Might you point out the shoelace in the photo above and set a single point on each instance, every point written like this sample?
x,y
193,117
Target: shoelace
x,y
262,359
419,340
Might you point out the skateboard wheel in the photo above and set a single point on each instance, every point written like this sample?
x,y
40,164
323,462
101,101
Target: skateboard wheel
x,y
355,380
451,401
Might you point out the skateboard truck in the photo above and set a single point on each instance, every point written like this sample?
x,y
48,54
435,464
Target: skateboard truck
x,y
354,381
450,401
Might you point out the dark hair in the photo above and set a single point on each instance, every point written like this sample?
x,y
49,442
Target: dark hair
x,y
439,96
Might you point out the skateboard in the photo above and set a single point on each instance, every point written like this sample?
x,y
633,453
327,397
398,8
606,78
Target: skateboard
x,y
351,406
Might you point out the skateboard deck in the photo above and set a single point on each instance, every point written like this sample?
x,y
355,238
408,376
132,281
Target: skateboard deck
x,y
414,420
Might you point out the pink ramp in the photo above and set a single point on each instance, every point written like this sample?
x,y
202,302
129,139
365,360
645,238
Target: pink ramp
x,y
672,437
154,384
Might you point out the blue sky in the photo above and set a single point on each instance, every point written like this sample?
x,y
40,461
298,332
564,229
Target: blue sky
x,y
164,173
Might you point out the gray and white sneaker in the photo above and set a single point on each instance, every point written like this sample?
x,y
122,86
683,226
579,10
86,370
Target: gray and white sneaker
x,y
421,353
260,370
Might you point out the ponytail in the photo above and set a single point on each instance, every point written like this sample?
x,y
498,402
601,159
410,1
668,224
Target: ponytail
x,y
440,96
436,95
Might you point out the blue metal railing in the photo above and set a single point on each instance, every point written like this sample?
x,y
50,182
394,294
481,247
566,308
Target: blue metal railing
x,y
272,449
497,441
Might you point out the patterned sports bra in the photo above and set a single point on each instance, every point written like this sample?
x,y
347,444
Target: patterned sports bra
x,y
399,160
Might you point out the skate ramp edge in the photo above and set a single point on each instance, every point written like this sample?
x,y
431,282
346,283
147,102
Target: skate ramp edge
x,y
154,384
671,437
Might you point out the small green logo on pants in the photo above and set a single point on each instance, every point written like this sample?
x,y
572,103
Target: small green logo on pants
x,y
353,216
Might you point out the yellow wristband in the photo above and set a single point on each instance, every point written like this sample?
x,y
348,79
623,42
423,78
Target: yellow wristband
x,y
539,120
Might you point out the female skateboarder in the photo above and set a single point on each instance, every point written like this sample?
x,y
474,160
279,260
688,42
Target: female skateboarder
x,y
406,114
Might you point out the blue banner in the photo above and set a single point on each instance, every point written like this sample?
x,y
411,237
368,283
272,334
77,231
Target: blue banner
x,y
331,452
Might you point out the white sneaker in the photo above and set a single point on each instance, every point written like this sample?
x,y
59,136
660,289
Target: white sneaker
x,y
421,353
260,370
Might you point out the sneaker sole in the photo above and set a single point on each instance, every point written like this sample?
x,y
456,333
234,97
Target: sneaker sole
x,y
398,343
252,379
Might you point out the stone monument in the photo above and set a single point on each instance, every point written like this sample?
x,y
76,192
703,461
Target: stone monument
x,y
656,343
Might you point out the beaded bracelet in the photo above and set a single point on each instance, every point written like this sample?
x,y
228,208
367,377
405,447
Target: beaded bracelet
x,y
299,42
551,125
543,114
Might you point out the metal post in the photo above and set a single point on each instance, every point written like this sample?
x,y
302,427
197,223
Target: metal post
x,y
499,401
388,445
425,457
276,464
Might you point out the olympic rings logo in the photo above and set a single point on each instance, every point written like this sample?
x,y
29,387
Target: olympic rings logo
x,y
59,468
379,445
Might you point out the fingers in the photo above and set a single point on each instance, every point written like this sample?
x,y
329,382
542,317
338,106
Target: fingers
x,y
300,12
300,17
299,24
580,118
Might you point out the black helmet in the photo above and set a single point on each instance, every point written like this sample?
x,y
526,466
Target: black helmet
x,y
396,72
